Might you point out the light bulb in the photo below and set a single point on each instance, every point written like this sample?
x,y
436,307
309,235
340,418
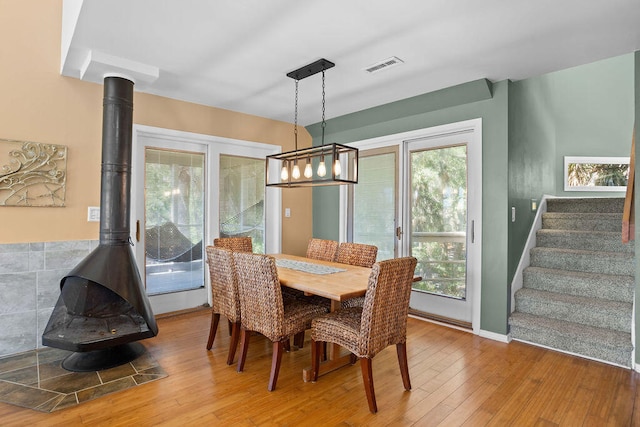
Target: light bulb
x,y
336,167
322,169
284,174
295,173
308,170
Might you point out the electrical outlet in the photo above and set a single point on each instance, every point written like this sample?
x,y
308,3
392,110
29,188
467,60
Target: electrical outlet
x,y
513,214
287,213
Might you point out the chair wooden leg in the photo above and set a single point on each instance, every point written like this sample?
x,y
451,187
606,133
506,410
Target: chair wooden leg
x,y
235,336
298,339
287,345
244,346
404,367
230,325
278,349
367,379
215,318
317,347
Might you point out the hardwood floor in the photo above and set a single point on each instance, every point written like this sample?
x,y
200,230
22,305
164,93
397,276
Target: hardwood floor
x,y
457,379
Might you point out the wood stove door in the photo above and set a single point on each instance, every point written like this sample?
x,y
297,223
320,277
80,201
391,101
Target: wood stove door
x,y
170,197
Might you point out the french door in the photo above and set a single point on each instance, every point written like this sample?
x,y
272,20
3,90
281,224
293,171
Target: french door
x,y
188,189
438,219
442,223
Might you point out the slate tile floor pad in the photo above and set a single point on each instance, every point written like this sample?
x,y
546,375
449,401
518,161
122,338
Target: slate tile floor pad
x,y
37,380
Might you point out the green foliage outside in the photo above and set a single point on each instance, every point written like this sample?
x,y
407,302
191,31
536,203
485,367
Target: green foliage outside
x,y
598,174
438,212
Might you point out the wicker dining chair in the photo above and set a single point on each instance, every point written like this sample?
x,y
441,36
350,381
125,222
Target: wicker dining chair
x,y
321,249
356,254
224,296
367,330
236,244
264,310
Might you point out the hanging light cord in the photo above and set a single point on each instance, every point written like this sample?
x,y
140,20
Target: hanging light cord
x,y
323,122
295,120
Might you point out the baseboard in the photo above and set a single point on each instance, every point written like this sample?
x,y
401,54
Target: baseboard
x,y
494,336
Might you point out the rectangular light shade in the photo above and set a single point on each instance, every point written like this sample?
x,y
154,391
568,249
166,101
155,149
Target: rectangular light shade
x,y
340,164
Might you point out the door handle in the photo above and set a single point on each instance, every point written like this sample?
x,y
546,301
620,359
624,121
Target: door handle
x,y
399,233
473,231
137,230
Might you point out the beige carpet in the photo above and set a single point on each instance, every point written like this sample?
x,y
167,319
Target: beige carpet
x,y
36,380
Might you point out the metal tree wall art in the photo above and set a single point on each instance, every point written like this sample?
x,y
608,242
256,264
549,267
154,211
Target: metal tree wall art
x,y
32,174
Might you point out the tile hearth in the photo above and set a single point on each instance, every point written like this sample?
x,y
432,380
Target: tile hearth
x,y
37,380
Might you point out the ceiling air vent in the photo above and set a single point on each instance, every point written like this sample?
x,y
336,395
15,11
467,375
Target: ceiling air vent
x,y
384,64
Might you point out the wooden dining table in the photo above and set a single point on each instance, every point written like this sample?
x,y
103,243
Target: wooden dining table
x,y
331,280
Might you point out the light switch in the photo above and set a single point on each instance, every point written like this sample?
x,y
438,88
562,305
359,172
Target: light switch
x,y
513,214
93,214
287,213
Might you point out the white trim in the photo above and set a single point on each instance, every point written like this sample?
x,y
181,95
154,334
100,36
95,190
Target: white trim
x,y
517,281
495,336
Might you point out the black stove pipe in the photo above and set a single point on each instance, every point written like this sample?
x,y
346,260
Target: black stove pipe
x,y
117,125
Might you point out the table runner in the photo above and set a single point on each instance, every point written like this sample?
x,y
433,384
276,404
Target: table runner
x,y
308,267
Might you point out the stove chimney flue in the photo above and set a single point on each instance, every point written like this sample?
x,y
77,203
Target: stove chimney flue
x,y
117,125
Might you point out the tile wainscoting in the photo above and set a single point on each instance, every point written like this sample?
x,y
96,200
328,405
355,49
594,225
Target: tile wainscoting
x,y
30,275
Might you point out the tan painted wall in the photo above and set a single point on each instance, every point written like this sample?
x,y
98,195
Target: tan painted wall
x,y
38,104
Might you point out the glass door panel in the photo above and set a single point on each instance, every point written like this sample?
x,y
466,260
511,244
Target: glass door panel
x,y
373,202
174,226
242,199
438,184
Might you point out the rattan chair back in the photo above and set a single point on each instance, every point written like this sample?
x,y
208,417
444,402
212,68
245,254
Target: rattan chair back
x,y
321,249
357,254
386,306
236,244
260,295
224,283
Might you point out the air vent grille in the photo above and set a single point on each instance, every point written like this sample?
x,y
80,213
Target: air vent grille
x,y
384,64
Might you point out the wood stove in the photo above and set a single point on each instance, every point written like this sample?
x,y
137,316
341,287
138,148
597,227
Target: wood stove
x,y
103,308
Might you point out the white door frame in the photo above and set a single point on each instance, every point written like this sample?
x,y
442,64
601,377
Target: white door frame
x,y
215,146
473,128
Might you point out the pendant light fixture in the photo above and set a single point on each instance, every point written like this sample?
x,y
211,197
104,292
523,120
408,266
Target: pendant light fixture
x,y
283,169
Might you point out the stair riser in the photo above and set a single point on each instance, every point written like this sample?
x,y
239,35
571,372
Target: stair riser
x,y
619,356
587,262
599,316
583,224
613,288
586,205
606,242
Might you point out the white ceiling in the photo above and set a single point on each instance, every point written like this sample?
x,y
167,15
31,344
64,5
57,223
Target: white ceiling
x,y
235,54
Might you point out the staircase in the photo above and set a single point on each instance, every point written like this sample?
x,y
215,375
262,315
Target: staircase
x,y
577,293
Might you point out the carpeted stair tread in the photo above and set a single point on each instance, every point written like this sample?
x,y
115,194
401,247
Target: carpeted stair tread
x,y
607,241
615,315
594,285
582,221
577,293
618,263
586,204
598,343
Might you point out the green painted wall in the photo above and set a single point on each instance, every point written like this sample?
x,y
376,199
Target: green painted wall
x,y
580,111
528,128
463,102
